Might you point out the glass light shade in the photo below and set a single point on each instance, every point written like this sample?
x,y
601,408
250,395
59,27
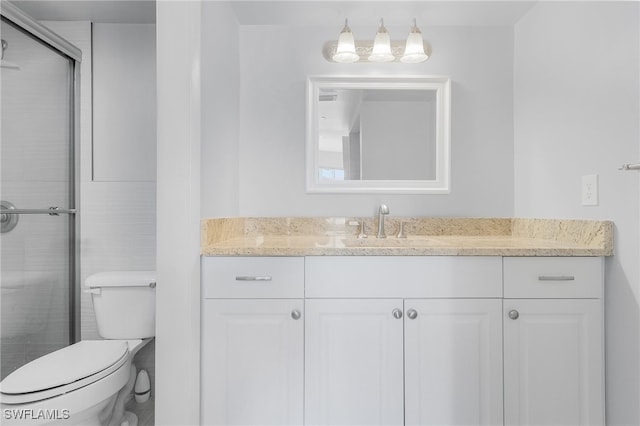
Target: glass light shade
x,y
414,49
381,46
346,50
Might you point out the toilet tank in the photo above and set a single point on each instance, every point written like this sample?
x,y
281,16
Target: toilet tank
x,y
124,303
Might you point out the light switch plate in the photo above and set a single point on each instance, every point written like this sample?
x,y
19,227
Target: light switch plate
x,y
590,190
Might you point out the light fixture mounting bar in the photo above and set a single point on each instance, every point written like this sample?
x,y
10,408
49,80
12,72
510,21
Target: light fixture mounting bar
x,y
364,49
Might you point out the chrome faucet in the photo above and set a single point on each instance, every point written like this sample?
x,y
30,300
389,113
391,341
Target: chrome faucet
x,y
382,211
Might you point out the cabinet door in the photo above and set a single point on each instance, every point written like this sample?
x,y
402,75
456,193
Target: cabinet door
x,y
353,362
553,362
252,362
453,362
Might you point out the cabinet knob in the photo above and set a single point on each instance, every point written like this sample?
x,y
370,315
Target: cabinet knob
x,y
295,314
513,314
397,313
412,314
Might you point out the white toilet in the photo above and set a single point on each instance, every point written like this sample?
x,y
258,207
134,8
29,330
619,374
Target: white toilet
x,y
85,383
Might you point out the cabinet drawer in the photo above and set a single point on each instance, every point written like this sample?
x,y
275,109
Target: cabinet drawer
x,y
553,277
253,277
403,276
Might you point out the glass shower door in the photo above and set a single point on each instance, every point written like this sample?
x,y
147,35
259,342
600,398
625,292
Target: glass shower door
x,y
37,242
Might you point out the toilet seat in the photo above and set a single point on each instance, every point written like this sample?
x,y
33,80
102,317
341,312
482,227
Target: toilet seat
x,y
64,371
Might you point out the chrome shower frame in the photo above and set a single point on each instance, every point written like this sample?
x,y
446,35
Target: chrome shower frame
x,y
30,26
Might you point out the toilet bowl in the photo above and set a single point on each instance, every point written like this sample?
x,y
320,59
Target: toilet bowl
x,y
81,384
70,386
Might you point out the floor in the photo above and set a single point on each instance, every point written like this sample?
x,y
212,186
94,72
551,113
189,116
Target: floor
x,y
144,411
145,360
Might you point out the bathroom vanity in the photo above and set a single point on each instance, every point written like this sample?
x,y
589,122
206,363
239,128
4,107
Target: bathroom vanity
x,y
468,321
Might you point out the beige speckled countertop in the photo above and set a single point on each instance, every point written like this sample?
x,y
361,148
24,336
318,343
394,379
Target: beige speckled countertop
x,y
426,236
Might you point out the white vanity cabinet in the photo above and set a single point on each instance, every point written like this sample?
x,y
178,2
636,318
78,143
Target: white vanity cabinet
x,y
354,362
252,345
392,341
402,340
453,362
553,341
412,361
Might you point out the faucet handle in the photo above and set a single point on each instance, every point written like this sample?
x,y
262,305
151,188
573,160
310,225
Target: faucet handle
x,y
362,233
401,233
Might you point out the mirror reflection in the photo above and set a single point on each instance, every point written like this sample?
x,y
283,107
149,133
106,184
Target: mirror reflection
x,y
368,134
376,134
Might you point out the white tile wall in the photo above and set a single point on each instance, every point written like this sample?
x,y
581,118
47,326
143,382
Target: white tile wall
x,y
124,102
117,218
118,233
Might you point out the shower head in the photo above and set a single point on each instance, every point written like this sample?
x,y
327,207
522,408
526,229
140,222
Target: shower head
x,y
7,64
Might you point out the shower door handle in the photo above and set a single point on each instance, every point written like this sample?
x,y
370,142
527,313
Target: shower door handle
x,y
51,211
9,215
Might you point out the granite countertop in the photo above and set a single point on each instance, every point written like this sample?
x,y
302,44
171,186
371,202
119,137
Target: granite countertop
x,y
426,236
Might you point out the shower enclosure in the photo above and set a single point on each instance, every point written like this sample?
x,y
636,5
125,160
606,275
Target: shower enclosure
x,y
39,298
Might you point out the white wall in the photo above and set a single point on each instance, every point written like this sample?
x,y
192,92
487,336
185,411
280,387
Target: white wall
x,y
124,102
220,110
274,63
576,113
179,26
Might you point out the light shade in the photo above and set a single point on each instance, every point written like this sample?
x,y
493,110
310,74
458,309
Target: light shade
x,y
381,46
414,49
346,50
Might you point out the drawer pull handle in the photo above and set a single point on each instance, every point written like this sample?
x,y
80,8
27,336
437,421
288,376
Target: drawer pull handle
x,y
514,315
254,278
296,314
556,278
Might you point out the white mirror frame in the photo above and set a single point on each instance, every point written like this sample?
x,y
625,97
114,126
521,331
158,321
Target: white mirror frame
x,y
439,185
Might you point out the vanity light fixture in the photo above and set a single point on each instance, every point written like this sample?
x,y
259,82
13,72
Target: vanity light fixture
x,y
346,50
414,49
382,49
381,46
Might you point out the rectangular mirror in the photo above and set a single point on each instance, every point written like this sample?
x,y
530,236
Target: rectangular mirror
x,y
378,134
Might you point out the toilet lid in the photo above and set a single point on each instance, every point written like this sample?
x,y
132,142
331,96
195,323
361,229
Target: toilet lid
x,y
65,366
